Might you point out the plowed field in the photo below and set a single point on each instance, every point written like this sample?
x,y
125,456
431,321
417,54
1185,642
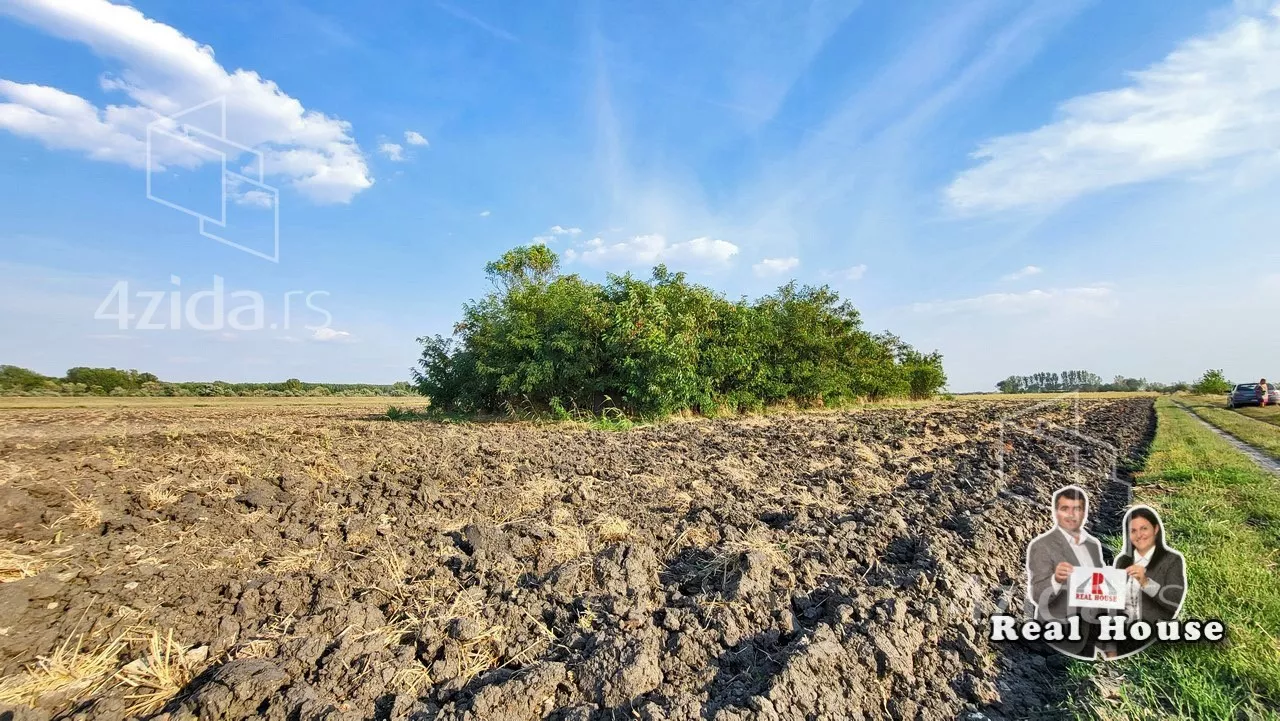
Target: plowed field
x,y
300,563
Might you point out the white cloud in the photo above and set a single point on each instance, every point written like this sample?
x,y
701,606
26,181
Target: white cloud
x,y
1024,272
413,137
163,72
256,199
1214,99
484,214
1096,298
775,266
552,232
242,194
651,249
328,334
851,273
393,151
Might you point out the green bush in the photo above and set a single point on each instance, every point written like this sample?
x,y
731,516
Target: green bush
x,y
544,341
1213,382
20,379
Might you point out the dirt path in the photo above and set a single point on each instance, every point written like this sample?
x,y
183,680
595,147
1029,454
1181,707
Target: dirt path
x,y
1262,459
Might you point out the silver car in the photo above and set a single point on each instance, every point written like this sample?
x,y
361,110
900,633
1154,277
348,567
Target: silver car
x,y
1248,394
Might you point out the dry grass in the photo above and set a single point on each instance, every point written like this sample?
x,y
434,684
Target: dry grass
x,y
568,538
478,652
297,559
730,556
84,512
120,458
393,564
610,528
535,493
411,680
257,648
69,674
163,670
15,566
390,634
160,493
417,604
267,643
209,557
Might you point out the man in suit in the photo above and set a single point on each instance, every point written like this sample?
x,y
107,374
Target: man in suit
x,y
1051,557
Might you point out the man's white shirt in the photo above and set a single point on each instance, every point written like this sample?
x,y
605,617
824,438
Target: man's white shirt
x,y
1080,549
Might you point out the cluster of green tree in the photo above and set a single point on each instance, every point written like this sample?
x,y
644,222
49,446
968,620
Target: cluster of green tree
x,y
1212,382
554,342
1068,381
116,382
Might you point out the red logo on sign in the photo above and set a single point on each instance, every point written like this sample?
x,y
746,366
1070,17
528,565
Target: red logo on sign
x,y
1097,584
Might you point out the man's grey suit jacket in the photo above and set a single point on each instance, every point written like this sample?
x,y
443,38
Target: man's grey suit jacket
x,y
1043,556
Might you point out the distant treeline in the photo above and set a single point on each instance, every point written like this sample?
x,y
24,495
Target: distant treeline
x,y
1068,381
15,381
556,343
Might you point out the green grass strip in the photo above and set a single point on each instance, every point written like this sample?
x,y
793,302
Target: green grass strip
x,y
1223,512
1250,425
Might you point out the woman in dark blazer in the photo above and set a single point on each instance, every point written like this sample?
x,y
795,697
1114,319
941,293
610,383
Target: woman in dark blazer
x,y
1157,574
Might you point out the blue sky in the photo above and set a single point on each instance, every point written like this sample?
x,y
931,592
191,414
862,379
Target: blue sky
x,y
1023,186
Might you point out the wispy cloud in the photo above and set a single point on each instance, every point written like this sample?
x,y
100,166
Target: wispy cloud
x,y
787,194
329,334
484,213
851,273
550,236
1214,99
393,151
1024,272
413,137
242,194
163,71
775,266
467,17
1094,298
651,249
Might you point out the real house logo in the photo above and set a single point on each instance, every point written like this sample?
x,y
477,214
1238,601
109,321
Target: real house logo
x,y
1096,588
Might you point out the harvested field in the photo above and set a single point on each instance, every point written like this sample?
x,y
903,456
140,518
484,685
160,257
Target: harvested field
x,y
314,562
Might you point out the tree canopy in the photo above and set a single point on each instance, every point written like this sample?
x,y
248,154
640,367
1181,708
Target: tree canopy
x,y
657,346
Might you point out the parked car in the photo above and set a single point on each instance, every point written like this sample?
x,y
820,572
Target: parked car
x,y
1246,394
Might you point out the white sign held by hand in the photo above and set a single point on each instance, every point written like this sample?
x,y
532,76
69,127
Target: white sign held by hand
x,y
1097,588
